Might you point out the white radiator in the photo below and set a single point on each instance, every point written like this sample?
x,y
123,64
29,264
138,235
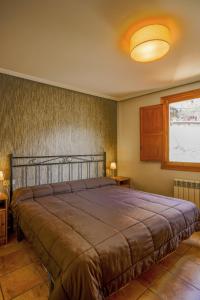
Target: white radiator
x,y
187,190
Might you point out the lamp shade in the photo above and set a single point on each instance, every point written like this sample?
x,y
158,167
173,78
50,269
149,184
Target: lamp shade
x,y
1,176
150,43
113,166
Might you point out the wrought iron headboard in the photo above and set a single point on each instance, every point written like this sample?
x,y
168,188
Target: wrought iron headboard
x,y
35,170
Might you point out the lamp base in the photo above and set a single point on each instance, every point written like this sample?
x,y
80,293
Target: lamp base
x,y
112,173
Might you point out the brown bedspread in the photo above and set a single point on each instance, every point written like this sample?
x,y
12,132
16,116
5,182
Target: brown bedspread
x,y
94,237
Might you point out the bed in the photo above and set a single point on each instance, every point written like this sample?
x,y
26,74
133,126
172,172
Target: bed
x,y
94,236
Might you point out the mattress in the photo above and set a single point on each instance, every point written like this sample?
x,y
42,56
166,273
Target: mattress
x,y
94,237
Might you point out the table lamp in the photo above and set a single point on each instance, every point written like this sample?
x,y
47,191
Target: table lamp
x,y
113,167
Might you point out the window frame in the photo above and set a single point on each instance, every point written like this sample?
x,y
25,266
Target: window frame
x,y
166,101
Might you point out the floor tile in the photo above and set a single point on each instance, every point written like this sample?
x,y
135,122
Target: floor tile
x,y
1,295
149,295
32,254
148,277
40,292
12,247
171,287
193,254
187,270
130,292
20,281
14,260
182,249
42,271
170,260
195,235
194,240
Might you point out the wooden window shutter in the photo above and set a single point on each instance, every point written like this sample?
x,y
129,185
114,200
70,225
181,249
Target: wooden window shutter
x,y
151,133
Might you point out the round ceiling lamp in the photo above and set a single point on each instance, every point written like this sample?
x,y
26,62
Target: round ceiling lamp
x,y
150,43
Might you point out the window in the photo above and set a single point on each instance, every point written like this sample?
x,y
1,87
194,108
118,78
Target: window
x,y
181,139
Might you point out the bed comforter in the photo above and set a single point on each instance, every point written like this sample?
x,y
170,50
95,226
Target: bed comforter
x,y
94,237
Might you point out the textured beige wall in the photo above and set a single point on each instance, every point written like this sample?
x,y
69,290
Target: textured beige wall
x,y
40,119
147,176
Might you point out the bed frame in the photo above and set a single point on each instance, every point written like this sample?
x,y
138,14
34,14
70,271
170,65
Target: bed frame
x,y
35,170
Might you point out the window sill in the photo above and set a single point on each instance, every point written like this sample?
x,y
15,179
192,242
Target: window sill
x,y
190,167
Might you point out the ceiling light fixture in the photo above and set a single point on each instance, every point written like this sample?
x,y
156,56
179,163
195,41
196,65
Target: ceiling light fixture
x,y
150,43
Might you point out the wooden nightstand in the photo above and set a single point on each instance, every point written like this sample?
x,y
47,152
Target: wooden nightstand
x,y
122,181
3,218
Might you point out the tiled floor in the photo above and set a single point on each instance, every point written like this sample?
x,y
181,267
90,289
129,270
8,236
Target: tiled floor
x,y
21,274
177,277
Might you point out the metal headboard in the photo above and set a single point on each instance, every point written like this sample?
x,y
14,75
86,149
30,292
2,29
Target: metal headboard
x,y
35,170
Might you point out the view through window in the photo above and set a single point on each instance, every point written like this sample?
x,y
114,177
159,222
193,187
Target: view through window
x,y
184,131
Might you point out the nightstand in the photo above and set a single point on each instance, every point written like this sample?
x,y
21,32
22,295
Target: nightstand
x,y
122,181
3,218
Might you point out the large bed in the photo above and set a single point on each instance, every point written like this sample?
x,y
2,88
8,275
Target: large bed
x,y
94,236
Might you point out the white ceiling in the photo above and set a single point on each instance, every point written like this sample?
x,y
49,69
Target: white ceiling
x,y
83,44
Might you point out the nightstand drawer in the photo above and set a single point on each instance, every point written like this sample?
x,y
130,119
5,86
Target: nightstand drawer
x,y
2,223
3,218
2,231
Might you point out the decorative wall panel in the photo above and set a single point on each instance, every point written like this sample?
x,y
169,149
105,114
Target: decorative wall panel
x,y
38,119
